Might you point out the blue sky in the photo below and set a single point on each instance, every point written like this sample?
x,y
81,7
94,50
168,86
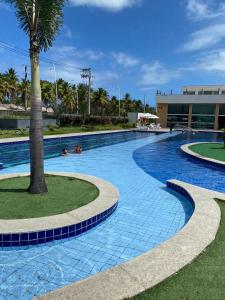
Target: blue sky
x,y
137,45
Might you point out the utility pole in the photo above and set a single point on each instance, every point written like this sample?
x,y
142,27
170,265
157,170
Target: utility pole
x,y
25,87
144,102
86,73
119,94
56,86
77,99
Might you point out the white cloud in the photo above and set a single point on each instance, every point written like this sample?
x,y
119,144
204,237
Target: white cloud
x,y
4,6
69,72
213,61
112,5
198,10
67,32
74,53
105,76
204,38
71,60
125,60
92,55
157,74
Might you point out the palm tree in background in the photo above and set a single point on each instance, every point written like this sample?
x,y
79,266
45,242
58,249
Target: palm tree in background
x,y
41,21
24,89
12,79
100,100
47,93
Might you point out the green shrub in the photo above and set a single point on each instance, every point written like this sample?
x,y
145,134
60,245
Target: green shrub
x,y
52,127
87,128
127,126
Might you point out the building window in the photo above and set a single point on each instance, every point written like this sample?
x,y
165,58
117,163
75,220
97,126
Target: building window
x,y
177,120
203,122
203,109
222,109
178,109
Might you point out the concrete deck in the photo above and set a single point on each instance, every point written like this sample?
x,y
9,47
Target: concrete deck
x,y
151,268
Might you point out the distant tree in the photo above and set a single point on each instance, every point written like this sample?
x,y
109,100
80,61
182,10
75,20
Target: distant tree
x,y
47,93
100,100
12,80
24,88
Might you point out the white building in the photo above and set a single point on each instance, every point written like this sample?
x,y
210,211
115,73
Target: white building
x,y
196,107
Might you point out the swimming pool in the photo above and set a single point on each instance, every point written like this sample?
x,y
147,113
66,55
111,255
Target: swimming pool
x,y
164,160
18,152
148,214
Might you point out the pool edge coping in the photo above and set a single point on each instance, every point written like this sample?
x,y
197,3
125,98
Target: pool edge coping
x,y
185,148
108,197
154,266
65,135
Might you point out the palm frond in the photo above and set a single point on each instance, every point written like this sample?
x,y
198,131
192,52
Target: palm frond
x,y
41,19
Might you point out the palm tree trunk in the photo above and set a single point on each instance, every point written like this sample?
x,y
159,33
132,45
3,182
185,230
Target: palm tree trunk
x,y
37,178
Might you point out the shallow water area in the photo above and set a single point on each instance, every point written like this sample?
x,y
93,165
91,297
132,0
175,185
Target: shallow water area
x,y
147,215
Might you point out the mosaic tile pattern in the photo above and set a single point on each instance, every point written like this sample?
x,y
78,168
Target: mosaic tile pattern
x,y
46,236
148,214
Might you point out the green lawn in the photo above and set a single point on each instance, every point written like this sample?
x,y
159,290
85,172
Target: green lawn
x,y
204,279
65,194
210,150
62,130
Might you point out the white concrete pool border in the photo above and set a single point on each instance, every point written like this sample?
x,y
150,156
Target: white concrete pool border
x,y
149,269
107,198
25,139
186,149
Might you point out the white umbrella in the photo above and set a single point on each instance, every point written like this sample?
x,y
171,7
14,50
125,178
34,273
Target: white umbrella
x,y
149,116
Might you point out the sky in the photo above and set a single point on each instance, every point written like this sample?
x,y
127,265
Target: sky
x,y
134,46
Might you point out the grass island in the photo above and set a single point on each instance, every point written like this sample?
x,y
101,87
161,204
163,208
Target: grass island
x,y
210,150
64,194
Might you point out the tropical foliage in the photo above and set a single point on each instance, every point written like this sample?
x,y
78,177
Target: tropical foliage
x,y
72,98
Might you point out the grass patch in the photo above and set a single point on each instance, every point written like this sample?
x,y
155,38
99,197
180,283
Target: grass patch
x,y
54,130
202,279
64,194
210,150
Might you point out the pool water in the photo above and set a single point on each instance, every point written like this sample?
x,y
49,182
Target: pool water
x,y
164,160
18,153
147,215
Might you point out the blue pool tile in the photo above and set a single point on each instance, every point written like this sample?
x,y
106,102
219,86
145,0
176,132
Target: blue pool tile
x,y
147,215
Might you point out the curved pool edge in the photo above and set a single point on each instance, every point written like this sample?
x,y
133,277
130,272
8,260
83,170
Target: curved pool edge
x,y
64,135
35,231
186,150
154,266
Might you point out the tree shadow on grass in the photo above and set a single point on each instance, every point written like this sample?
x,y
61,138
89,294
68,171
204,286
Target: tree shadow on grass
x,y
13,191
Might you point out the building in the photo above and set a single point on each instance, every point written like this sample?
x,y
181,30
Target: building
x,y
196,107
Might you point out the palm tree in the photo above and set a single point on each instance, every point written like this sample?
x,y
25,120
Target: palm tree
x,y
127,103
100,99
40,20
47,93
24,88
12,79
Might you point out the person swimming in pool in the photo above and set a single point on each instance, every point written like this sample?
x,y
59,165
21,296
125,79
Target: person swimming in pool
x,y
78,149
64,152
